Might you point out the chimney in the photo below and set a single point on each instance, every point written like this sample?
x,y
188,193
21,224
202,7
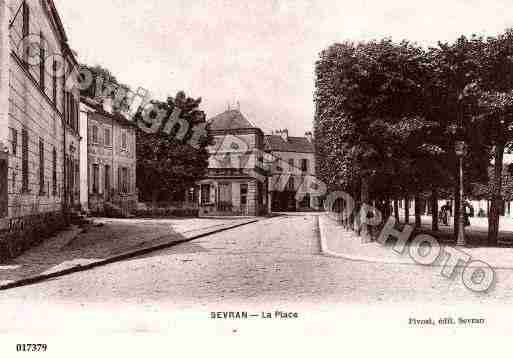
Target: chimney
x,y
108,104
309,136
284,134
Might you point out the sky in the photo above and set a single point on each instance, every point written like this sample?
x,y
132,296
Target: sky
x,y
260,53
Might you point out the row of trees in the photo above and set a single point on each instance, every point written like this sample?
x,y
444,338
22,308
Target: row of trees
x,y
167,164
388,116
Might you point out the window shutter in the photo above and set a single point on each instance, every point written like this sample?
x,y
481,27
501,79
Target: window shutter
x,y
119,180
42,58
25,162
128,182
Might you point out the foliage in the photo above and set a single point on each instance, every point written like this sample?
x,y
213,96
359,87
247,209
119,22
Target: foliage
x,y
166,165
104,84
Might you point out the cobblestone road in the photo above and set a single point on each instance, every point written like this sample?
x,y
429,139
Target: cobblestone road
x,y
275,261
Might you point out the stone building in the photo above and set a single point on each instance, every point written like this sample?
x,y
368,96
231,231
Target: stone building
x,y
236,182
110,153
39,134
292,170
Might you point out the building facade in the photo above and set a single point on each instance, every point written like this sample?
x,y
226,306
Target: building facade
x,y
110,155
39,133
292,171
236,182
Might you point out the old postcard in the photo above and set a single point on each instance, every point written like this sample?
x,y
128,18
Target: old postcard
x,y
248,178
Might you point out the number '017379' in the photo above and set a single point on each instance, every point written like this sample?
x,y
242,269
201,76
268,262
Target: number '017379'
x,y
31,347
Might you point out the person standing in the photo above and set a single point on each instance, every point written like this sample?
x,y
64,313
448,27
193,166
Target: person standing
x,y
468,211
446,211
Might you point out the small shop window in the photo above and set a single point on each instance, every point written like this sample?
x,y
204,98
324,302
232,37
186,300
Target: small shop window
x,y
244,194
205,193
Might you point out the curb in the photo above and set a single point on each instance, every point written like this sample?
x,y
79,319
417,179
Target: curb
x,y
402,259
117,258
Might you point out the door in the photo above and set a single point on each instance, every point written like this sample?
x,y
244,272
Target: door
x,y
225,197
244,198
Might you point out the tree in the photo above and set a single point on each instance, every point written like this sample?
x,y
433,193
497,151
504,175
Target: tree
x,y
103,84
496,105
451,99
383,118
167,165
368,99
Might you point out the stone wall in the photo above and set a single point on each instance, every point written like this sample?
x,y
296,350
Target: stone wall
x,y
33,108
22,233
34,212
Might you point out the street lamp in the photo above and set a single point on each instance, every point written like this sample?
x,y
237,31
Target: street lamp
x,y
460,148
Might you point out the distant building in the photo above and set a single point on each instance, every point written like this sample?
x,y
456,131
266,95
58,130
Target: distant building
x,y
236,182
293,167
39,132
109,150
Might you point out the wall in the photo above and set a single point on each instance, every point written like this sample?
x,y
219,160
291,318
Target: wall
x,y
34,109
84,165
114,156
36,212
303,181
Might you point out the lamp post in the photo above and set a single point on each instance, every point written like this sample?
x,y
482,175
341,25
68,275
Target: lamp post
x,y
460,149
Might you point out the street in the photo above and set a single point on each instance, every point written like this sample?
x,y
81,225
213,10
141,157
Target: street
x,y
275,264
276,260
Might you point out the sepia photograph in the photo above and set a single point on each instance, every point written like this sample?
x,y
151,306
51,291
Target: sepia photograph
x,y
246,178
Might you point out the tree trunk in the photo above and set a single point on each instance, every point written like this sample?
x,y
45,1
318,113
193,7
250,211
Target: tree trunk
x,y
407,210
355,218
434,209
364,230
496,200
154,199
456,210
396,210
388,210
418,208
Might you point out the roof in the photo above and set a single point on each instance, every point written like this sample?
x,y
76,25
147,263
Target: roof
x,y
294,144
60,28
230,120
98,108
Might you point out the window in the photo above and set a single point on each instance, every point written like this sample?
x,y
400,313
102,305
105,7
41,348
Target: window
x,y
71,114
123,140
95,134
304,165
14,141
96,178
291,164
124,174
290,184
26,31
41,167
244,194
54,172
24,160
108,141
205,193
42,58
54,82
107,180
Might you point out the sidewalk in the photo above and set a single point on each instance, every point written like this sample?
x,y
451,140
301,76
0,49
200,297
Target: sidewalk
x,y
338,242
104,239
